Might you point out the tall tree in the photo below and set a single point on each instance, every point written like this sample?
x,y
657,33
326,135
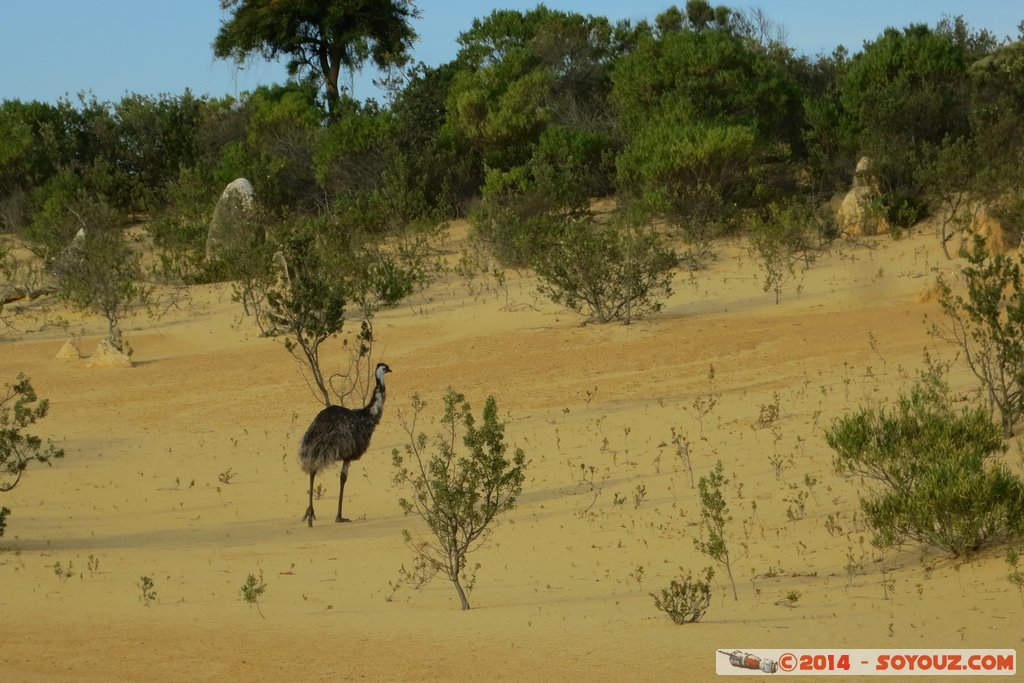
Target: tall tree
x,y
907,91
320,37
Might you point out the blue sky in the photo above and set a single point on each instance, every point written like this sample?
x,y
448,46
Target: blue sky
x,y
111,47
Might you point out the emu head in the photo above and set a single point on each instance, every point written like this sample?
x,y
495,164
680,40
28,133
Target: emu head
x,y
382,369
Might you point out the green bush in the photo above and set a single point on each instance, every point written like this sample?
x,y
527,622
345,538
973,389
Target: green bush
x,y
790,234
514,218
988,326
99,271
21,408
607,272
904,211
309,304
180,230
934,470
390,281
458,496
686,601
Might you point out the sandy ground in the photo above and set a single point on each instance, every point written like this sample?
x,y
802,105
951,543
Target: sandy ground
x,y
563,588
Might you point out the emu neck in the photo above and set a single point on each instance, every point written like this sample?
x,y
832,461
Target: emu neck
x,y
376,404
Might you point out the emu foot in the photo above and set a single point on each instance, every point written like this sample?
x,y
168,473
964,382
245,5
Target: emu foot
x,y
340,519
309,515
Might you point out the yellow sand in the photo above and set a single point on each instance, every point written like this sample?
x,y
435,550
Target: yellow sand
x,y
563,588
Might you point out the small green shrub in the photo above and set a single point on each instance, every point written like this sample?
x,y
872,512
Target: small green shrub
x,y
516,225
988,326
714,514
936,480
99,271
686,601
458,496
252,589
147,587
390,281
607,272
903,211
790,234
20,408
310,304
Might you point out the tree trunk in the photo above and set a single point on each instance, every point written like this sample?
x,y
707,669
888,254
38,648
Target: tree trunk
x,y
114,335
462,593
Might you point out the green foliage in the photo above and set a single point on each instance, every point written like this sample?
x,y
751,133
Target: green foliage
x,y
522,72
791,234
569,167
714,515
685,601
709,76
1015,575
155,138
936,482
147,588
390,280
711,121
458,496
53,224
950,183
21,408
698,175
906,91
355,149
100,271
607,272
515,219
306,306
524,209
319,37
830,135
180,229
282,133
253,589
442,165
988,326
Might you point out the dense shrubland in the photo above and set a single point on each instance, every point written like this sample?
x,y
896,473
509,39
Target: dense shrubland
x,y
701,120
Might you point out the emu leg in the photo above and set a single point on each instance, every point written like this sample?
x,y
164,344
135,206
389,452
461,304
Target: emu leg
x,y
341,492
309,511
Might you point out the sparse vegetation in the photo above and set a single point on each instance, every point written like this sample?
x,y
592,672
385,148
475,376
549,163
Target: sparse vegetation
x,y
99,271
309,308
581,159
21,408
789,236
1015,575
458,497
253,589
987,325
714,515
148,590
687,599
62,572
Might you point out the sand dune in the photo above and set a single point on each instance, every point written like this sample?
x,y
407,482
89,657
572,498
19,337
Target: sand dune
x,y
560,593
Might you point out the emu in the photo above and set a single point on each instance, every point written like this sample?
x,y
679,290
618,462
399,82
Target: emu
x,y
339,434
